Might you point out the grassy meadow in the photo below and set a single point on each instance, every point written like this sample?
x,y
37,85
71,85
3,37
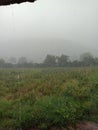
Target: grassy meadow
x,y
45,97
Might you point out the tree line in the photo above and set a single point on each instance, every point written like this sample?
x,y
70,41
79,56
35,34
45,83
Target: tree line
x,y
86,59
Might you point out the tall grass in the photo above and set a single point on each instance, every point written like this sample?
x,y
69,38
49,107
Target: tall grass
x,y
47,97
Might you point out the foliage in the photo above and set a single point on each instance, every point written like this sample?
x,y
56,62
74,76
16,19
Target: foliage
x,y
47,97
86,60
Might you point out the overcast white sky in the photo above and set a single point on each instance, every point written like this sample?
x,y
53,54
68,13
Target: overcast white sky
x,y
49,27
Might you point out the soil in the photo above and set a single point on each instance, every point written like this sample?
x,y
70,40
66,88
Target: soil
x,y
82,126
87,126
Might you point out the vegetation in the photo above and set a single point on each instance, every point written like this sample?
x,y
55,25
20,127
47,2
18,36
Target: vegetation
x,y
86,60
42,98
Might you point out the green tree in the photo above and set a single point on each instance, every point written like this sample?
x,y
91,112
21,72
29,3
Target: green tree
x,y
12,60
50,60
62,60
2,62
87,59
96,61
22,60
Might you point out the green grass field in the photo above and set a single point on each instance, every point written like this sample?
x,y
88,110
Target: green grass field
x,y
42,98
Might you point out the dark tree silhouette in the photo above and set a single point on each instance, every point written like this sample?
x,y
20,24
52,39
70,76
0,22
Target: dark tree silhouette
x,y
8,2
50,60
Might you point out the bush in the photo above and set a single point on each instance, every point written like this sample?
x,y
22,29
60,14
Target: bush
x,y
56,111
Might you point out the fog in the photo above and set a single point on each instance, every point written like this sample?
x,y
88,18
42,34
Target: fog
x,y
56,27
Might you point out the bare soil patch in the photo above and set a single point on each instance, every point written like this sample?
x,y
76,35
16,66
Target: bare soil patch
x,y
87,126
82,126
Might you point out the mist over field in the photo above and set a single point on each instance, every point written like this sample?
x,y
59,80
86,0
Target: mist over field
x,y
56,27
49,65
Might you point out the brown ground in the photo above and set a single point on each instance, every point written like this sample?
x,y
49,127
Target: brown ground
x,y
81,126
87,126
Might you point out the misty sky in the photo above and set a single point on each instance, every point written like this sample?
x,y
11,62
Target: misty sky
x,y
49,27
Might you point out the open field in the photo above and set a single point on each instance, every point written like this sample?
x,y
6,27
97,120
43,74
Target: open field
x,y
42,98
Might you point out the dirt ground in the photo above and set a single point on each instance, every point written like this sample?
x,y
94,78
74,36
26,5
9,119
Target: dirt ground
x,y
87,126
82,126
